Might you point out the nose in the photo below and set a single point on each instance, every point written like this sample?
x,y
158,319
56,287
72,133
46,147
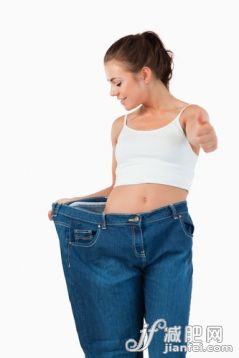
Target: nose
x,y
114,91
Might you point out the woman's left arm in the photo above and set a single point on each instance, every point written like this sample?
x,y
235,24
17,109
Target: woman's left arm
x,y
199,130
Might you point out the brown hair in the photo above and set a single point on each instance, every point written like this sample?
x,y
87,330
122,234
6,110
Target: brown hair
x,y
145,49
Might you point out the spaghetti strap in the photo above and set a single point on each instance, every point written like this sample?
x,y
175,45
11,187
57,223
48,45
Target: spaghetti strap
x,y
190,104
177,119
125,118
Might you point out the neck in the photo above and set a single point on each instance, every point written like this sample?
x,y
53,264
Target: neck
x,y
158,99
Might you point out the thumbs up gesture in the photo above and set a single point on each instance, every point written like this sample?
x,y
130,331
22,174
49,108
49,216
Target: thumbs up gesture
x,y
204,132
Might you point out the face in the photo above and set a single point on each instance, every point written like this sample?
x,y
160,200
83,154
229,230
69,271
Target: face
x,y
128,87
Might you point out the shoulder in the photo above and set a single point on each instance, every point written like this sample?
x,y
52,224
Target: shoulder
x,y
116,128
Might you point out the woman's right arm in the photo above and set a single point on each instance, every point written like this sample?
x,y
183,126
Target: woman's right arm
x,y
106,191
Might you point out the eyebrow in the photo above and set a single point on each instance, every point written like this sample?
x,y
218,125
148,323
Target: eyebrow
x,y
114,78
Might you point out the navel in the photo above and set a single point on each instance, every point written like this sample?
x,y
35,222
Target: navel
x,y
145,199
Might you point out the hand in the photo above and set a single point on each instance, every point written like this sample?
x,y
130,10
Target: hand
x,y
59,201
63,201
205,134
50,214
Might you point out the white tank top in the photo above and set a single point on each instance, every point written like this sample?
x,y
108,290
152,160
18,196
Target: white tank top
x,y
162,155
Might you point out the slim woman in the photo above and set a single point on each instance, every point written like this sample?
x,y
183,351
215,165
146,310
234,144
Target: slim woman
x,y
127,249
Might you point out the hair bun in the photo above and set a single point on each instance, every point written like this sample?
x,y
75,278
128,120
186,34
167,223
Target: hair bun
x,y
143,49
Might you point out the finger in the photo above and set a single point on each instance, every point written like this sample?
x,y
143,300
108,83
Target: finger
x,y
50,215
201,132
205,138
202,119
208,149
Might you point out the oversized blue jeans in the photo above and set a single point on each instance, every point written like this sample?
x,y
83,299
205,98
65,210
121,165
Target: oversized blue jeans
x,y
123,270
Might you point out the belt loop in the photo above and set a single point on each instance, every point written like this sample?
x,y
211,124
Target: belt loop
x,y
175,215
55,208
104,222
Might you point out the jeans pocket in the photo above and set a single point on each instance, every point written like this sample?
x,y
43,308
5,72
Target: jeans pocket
x,y
186,224
84,234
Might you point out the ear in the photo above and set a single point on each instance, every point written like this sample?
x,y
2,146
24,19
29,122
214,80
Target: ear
x,y
146,74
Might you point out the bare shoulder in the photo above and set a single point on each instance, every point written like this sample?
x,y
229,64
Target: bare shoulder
x,y
116,128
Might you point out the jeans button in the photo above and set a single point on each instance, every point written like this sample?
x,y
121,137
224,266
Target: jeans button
x,y
135,219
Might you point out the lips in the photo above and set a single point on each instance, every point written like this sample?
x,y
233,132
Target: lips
x,y
122,99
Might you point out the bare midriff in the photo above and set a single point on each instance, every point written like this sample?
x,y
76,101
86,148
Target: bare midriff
x,y
136,198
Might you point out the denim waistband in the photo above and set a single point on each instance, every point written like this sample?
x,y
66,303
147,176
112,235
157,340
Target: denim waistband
x,y
86,212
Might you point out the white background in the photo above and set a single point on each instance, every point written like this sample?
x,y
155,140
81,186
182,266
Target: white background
x,y
56,116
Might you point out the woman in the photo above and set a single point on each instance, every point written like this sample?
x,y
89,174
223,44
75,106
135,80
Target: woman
x,y
127,249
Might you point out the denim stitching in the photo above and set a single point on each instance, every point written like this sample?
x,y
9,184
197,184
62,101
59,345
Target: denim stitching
x,y
68,253
80,219
74,244
115,224
134,248
183,228
62,224
142,241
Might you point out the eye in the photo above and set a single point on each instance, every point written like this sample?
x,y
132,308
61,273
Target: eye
x,y
118,84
